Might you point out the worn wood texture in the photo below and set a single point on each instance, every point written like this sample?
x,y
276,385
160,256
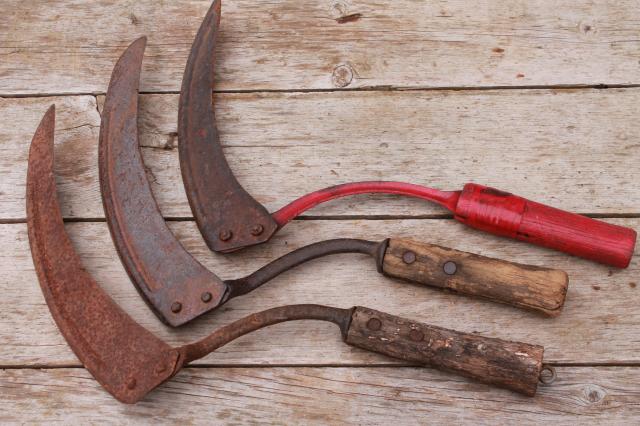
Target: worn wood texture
x,y
70,46
526,286
598,323
510,365
323,396
575,150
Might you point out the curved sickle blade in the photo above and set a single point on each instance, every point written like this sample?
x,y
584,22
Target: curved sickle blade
x,y
123,357
175,285
228,217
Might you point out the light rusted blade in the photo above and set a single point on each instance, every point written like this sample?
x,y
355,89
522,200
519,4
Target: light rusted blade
x,y
175,285
123,357
228,217
126,359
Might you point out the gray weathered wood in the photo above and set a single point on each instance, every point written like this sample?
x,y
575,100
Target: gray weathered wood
x,y
70,46
575,150
599,323
323,396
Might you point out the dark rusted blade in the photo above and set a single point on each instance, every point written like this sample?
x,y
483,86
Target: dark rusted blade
x,y
228,217
176,286
123,357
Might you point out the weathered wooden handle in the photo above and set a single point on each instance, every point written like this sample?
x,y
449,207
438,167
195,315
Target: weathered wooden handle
x,y
511,365
524,286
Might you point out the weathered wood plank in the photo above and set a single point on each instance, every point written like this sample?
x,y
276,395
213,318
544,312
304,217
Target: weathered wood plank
x,y
70,46
576,150
323,396
600,322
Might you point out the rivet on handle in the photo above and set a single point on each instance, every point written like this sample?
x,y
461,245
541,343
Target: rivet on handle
x,y
450,268
374,324
409,257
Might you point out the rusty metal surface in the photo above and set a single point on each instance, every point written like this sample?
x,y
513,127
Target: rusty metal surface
x,y
124,358
177,286
228,217
226,334
305,254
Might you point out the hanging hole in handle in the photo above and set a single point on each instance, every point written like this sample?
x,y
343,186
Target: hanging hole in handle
x,y
548,375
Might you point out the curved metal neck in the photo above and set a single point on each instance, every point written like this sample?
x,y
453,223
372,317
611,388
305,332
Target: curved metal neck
x,y
241,286
228,333
447,199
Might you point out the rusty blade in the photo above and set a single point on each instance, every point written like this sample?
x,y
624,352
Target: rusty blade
x,y
123,357
129,362
172,282
228,217
176,285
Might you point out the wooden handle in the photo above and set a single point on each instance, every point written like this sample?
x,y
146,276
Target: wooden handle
x,y
508,215
511,365
524,286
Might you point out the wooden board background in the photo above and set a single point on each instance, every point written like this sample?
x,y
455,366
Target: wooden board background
x,y
540,98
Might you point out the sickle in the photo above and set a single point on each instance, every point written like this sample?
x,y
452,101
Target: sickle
x,y
179,289
129,361
230,219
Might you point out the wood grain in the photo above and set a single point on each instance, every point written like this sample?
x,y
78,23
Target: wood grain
x,y
314,96
528,287
510,365
598,323
70,46
574,150
323,396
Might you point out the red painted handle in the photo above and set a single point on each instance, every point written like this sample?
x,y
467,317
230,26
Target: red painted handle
x,y
511,216
499,213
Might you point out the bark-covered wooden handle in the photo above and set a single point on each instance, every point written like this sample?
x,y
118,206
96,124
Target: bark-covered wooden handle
x,y
511,365
524,286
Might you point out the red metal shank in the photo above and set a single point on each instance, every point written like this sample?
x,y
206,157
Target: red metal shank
x,y
446,199
499,213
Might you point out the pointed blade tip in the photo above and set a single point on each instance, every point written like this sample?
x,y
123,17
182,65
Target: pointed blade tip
x,y
49,120
42,142
139,45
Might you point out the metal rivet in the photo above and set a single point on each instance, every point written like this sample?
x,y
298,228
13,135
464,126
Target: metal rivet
x,y
416,335
206,297
225,235
131,383
374,324
257,230
176,307
450,268
409,257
